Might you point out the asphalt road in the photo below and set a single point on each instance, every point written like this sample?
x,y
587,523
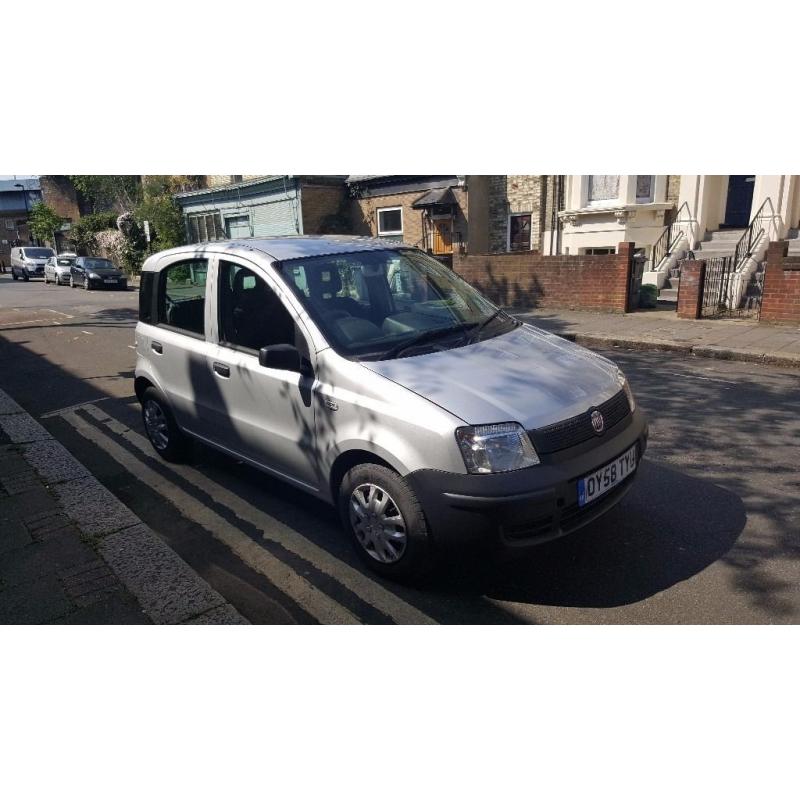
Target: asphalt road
x,y
710,533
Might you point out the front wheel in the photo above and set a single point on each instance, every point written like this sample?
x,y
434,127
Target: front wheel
x,y
162,431
385,521
71,282
14,275
25,277
45,279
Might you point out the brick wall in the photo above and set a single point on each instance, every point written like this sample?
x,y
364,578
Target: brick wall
x,y
59,193
781,299
690,294
595,283
320,206
509,194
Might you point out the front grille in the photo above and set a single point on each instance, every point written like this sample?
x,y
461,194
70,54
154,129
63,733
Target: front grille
x,y
578,429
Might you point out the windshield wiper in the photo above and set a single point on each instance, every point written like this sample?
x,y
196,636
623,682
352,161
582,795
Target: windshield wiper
x,y
422,338
476,333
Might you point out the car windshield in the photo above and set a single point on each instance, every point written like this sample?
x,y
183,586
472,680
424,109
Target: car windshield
x,y
38,252
390,303
97,263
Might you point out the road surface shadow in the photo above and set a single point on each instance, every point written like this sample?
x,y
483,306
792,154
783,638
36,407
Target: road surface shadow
x,y
669,527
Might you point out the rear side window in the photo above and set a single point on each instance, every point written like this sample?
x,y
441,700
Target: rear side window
x,y
182,296
146,297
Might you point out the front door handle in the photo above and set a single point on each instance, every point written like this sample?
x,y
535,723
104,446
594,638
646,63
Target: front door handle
x,y
222,369
157,347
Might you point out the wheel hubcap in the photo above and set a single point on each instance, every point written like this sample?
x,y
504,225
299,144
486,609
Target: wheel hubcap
x,y
378,523
156,423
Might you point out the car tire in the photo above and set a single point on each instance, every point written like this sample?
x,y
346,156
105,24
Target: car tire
x,y
71,282
45,279
25,276
371,494
14,275
163,432
86,284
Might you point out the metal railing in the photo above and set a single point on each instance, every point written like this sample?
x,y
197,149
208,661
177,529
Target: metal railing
x,y
669,237
758,226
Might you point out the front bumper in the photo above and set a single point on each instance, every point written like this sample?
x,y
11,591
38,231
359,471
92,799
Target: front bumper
x,y
516,510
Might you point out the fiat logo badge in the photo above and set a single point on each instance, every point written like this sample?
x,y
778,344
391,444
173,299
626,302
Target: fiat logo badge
x,y
598,423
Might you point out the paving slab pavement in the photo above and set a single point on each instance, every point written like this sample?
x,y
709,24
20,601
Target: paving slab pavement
x,y
732,339
72,553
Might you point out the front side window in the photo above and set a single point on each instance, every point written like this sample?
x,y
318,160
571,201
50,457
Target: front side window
x,y
182,296
390,303
390,221
519,232
251,315
603,188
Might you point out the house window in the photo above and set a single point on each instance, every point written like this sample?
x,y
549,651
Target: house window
x,y
238,227
519,232
644,188
599,251
205,228
390,221
603,188
9,224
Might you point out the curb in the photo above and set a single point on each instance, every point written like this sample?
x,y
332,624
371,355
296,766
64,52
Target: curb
x,y
168,590
702,351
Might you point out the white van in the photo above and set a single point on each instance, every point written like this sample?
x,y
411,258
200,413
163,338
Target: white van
x,y
370,375
29,262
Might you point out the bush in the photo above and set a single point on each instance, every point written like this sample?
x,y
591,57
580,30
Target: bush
x,y
82,233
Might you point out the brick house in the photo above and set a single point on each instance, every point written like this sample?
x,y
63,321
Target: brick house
x,y
59,193
241,206
432,212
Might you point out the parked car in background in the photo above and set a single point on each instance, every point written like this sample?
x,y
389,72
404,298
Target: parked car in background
x,y
28,262
96,273
371,376
58,268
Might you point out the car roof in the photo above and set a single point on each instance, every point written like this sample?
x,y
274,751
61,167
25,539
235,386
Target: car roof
x,y
284,248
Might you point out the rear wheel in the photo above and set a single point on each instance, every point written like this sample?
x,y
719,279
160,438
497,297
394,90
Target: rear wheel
x,y
385,521
162,431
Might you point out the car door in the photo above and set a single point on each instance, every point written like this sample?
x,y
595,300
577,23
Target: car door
x,y
76,273
265,415
177,347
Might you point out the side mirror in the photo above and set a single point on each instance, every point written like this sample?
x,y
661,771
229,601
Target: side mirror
x,y
281,356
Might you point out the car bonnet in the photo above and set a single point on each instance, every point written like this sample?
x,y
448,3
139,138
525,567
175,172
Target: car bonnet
x,y
527,376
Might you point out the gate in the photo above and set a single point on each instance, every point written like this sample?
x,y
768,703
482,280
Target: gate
x,y
717,287
725,292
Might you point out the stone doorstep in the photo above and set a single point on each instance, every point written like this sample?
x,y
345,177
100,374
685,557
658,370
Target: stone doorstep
x,y
124,552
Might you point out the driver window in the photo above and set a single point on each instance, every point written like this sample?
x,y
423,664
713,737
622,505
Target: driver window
x,y
251,315
182,296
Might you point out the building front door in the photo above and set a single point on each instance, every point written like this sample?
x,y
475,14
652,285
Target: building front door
x,y
442,236
740,201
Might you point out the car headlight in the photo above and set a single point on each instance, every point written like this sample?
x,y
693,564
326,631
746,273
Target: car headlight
x,y
496,448
625,386
94,275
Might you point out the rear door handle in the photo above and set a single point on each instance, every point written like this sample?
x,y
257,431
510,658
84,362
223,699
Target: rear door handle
x,y
222,369
157,347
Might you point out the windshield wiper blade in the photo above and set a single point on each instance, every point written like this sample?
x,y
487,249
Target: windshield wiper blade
x,y
422,338
476,333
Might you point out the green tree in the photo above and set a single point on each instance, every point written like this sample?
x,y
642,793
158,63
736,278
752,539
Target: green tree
x,y
105,192
43,222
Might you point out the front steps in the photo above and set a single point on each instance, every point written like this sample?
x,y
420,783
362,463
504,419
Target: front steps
x,y
719,244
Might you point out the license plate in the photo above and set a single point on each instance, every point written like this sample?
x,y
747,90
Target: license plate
x,y
602,480
109,280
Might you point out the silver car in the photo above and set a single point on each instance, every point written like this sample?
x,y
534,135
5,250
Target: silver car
x,y
57,268
371,376
28,262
